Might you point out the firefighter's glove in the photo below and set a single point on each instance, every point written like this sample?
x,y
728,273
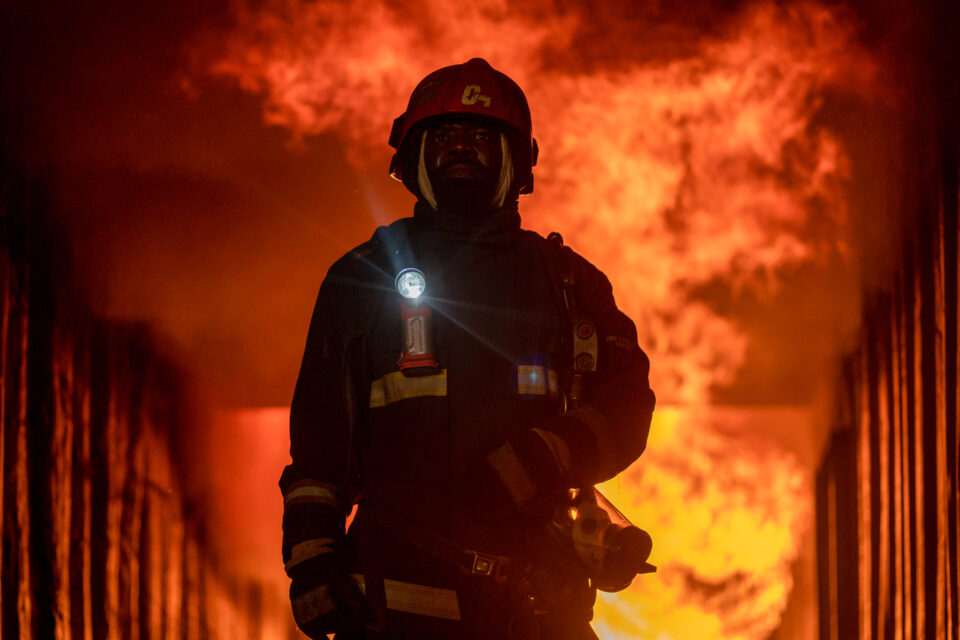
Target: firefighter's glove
x,y
513,478
324,597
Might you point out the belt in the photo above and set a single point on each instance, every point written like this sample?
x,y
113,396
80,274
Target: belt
x,y
470,561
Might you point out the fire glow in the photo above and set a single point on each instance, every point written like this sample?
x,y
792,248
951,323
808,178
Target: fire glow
x,y
669,174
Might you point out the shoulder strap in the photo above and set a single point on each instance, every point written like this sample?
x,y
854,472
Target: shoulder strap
x,y
583,349
567,281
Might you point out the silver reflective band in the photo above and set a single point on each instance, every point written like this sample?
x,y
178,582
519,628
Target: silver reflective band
x,y
537,380
411,283
309,606
417,598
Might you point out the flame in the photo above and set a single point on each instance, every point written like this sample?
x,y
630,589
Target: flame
x,y
710,167
673,174
724,542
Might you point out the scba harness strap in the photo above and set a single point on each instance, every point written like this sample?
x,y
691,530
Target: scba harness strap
x,y
583,347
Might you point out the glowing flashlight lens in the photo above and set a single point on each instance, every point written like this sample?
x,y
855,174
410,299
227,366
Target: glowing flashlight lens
x,y
411,284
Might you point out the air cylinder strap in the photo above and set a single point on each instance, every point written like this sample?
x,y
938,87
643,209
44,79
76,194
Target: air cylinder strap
x,y
583,348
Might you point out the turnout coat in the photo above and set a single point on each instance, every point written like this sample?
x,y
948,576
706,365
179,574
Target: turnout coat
x,y
363,433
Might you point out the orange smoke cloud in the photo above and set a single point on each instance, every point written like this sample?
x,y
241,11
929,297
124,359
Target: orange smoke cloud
x,y
347,67
672,175
699,170
669,175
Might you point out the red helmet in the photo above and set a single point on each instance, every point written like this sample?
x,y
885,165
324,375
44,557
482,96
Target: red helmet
x,y
471,88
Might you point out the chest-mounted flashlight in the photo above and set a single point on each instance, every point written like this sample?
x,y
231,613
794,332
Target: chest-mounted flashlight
x,y
411,283
416,355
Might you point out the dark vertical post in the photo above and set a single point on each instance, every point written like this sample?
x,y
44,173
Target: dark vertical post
x,y
80,504
13,414
99,477
39,437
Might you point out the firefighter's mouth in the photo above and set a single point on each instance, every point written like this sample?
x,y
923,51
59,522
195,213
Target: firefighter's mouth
x,y
463,166
464,171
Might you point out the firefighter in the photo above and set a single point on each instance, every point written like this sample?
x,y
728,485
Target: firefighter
x,y
441,397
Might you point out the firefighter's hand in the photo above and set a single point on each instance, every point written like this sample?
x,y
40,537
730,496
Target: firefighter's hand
x,y
325,598
512,479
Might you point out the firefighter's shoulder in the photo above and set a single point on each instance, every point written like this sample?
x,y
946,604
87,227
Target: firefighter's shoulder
x,y
585,272
368,256
383,241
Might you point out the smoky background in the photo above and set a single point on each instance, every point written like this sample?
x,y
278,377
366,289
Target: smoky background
x,y
209,162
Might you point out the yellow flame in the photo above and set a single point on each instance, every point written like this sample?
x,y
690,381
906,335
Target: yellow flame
x,y
727,514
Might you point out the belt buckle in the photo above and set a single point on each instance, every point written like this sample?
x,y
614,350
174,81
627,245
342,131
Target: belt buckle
x,y
486,565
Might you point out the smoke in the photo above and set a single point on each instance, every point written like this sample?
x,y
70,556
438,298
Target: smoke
x,y
701,133
186,211
698,164
712,163
729,168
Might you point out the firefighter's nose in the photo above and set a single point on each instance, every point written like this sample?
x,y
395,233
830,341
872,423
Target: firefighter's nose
x,y
461,148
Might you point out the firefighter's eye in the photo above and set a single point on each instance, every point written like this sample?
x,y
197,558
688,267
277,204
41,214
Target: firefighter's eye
x,y
482,135
439,137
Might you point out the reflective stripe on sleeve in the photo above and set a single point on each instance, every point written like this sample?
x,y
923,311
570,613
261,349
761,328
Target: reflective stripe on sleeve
x,y
308,549
418,599
311,491
537,380
396,386
311,605
512,473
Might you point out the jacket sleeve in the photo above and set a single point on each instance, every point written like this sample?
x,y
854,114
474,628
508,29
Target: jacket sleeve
x,y
313,485
603,436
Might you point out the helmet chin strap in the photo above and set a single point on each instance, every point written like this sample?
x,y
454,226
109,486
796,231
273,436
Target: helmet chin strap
x,y
423,180
504,182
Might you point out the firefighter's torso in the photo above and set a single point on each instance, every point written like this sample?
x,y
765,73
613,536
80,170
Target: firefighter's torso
x,y
497,325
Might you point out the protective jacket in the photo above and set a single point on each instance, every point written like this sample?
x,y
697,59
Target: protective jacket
x,y
363,432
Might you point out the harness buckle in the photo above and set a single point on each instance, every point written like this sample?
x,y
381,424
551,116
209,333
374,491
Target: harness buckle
x,y
486,565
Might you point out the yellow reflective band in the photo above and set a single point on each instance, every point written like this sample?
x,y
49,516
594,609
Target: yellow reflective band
x,y
310,491
418,599
308,549
537,380
396,386
309,606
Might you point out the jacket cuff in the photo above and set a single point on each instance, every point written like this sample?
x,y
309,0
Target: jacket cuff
x,y
526,466
308,550
577,450
314,521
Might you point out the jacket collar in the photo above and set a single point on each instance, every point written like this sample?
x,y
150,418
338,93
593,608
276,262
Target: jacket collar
x,y
496,227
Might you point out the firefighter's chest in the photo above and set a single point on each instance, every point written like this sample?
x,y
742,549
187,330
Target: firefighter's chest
x,y
489,323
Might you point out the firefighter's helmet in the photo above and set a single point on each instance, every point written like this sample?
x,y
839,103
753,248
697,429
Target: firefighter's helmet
x,y
472,88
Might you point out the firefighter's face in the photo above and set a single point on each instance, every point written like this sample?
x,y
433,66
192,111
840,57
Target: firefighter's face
x,y
463,159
